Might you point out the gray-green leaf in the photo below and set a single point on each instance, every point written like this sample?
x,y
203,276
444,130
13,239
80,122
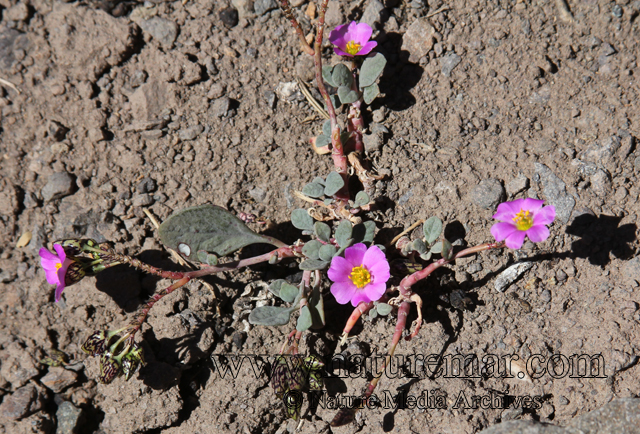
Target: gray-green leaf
x,y
333,184
341,75
327,251
447,249
346,95
326,75
326,128
311,249
313,190
316,306
323,231
304,320
275,286
289,292
436,248
384,309
314,264
362,198
209,228
270,315
370,93
343,233
323,140
432,228
419,246
371,69
301,219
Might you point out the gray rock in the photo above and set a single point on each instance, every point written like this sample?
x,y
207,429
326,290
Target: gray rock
x,y
619,361
510,275
9,204
57,131
270,99
139,78
372,142
229,16
600,183
556,193
191,132
162,29
263,6
58,379
21,403
142,200
524,427
602,153
419,38
374,14
147,185
448,63
258,194
334,15
10,41
69,417
520,183
618,416
632,270
488,194
58,185
221,106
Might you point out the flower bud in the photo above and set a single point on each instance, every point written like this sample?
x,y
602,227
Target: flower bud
x,y
75,273
313,362
71,247
280,377
131,361
109,368
96,344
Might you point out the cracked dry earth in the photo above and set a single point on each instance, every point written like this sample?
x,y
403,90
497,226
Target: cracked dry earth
x,y
108,108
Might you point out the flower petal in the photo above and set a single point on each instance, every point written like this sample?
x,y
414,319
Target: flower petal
x,y
538,233
46,255
343,291
515,240
506,211
355,254
339,52
374,291
500,231
52,276
61,254
352,32
59,290
532,205
340,269
366,48
545,216
362,33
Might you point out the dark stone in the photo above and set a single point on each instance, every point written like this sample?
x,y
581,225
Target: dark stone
x,y
229,17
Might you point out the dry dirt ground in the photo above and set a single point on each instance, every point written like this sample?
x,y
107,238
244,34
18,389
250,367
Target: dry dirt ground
x,y
168,104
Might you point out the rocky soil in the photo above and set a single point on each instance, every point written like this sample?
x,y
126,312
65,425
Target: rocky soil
x,y
108,108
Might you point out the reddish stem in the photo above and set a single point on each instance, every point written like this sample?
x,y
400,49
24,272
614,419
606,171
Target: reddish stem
x,y
412,279
288,13
141,316
347,415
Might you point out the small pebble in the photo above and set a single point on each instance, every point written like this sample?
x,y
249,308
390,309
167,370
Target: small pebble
x,y
229,17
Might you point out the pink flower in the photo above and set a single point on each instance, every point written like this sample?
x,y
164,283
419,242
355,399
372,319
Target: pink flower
x,y
352,39
522,217
55,267
360,276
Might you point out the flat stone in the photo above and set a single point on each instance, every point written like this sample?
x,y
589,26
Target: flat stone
x,y
372,142
21,403
221,106
258,194
191,132
448,63
510,275
261,7
618,416
147,185
58,185
515,186
163,30
524,427
419,39
9,204
556,193
374,14
142,200
10,41
600,183
488,194
58,379
632,270
68,417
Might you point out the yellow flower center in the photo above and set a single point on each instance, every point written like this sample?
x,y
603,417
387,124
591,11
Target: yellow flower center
x,y
353,48
360,277
58,265
524,220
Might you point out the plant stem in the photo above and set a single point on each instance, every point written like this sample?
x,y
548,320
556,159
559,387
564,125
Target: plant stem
x,y
410,280
288,13
337,153
346,416
141,316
